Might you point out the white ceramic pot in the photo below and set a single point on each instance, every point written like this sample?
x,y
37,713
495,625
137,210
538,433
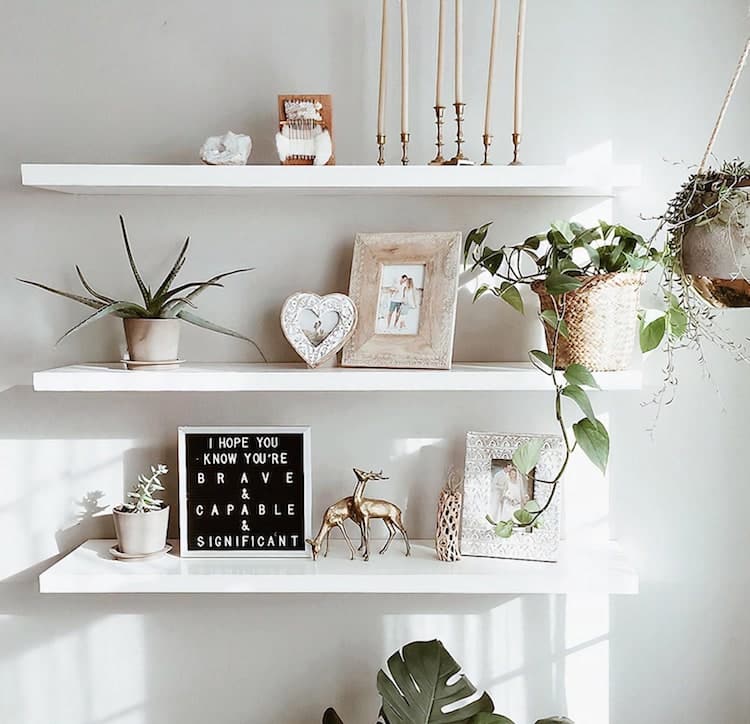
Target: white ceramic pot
x,y
141,533
152,340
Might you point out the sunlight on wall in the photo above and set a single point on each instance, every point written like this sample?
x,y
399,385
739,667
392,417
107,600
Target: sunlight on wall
x,y
48,494
527,652
587,658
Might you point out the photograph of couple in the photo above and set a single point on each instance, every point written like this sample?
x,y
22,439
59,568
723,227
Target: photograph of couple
x,y
400,299
510,489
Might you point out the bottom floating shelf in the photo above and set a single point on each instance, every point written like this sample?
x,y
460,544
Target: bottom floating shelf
x,y
581,568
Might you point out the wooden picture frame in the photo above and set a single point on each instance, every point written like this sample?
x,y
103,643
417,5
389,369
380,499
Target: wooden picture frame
x,y
405,287
487,455
238,540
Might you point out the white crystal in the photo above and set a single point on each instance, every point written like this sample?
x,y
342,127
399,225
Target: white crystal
x,y
231,149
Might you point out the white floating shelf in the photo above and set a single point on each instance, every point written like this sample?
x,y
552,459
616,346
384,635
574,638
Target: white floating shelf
x,y
237,377
500,180
582,568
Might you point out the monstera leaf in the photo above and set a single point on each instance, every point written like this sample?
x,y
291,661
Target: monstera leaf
x,y
417,691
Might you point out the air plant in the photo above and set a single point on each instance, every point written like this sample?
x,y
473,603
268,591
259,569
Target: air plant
x,y
167,302
143,492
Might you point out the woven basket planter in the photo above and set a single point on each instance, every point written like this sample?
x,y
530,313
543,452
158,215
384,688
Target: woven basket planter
x,y
601,316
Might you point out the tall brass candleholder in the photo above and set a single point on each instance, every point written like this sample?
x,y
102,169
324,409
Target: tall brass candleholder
x,y
381,147
516,144
439,121
459,159
404,149
487,140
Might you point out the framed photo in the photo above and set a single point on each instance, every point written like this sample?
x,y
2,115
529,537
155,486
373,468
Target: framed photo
x,y
405,288
244,491
494,486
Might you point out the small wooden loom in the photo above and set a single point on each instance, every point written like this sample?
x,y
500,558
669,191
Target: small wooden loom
x,y
301,132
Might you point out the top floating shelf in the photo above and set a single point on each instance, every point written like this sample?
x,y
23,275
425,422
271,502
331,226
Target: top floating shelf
x,y
501,180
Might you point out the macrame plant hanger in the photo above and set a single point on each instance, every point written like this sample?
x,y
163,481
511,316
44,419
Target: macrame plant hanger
x,y
725,105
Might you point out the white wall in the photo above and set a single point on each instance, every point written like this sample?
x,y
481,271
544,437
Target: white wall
x,y
138,81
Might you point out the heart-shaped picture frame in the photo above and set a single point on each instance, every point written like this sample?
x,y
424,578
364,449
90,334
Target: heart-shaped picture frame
x,y
318,327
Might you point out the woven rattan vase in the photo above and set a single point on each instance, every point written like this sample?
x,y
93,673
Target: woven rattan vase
x,y
601,316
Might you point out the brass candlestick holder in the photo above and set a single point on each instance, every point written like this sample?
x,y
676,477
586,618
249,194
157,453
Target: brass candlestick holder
x,y
487,141
516,144
459,159
404,149
439,121
381,147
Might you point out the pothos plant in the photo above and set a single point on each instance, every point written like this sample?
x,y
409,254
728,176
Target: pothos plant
x,y
563,258
166,302
422,681
713,197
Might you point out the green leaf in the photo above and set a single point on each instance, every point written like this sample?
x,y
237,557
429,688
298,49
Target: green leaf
x,y
526,456
144,291
558,283
489,718
475,237
331,717
579,396
205,324
93,303
593,439
544,357
417,689
504,529
202,286
90,290
652,334
678,322
532,506
173,272
522,516
593,255
549,317
511,295
482,289
113,308
577,374
555,720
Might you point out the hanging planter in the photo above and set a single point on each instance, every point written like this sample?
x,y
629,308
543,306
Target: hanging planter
x,y
711,236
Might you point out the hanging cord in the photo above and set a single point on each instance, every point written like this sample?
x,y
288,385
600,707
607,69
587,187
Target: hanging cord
x,y
725,105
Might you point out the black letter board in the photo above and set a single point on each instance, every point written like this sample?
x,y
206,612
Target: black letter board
x,y
244,491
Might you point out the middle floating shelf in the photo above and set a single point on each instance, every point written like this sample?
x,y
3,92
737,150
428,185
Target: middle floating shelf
x,y
246,377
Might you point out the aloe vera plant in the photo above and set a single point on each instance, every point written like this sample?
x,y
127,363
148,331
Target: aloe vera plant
x,y
167,302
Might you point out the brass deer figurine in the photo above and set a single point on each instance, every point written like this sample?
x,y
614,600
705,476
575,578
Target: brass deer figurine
x,y
334,517
365,509
361,510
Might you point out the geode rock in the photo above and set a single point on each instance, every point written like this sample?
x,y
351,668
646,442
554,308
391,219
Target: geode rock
x,y
231,149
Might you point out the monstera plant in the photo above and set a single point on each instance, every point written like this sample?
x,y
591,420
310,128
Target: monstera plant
x,y
419,688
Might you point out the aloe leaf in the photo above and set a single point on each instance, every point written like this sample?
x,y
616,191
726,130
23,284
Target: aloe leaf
x,y
212,281
205,324
184,287
144,291
174,271
113,308
169,312
93,303
90,289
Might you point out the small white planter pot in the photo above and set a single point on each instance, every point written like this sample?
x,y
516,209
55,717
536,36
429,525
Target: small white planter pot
x,y
141,534
152,340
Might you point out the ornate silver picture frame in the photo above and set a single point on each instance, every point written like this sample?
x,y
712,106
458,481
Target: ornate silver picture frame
x,y
492,486
404,286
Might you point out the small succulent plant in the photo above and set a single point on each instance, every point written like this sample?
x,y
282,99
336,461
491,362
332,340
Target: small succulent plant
x,y
167,302
142,494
